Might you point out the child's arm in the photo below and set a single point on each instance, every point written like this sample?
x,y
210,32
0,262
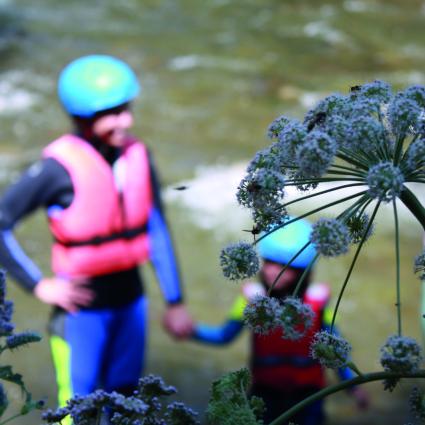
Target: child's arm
x,y
226,332
217,335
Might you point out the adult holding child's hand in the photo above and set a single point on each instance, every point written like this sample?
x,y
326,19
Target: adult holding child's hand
x,y
101,193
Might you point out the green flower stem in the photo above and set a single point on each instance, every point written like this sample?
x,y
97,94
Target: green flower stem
x,y
317,180
343,167
331,204
312,195
99,416
350,270
413,204
344,173
404,156
397,262
304,274
347,157
398,150
352,209
286,266
362,379
354,368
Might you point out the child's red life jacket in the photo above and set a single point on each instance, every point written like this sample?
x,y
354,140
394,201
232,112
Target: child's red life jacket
x,y
285,364
104,228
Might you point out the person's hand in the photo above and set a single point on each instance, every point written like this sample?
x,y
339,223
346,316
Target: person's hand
x,y
178,322
361,396
68,294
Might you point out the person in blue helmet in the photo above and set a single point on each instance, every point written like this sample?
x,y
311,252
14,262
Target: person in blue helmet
x,y
100,190
283,373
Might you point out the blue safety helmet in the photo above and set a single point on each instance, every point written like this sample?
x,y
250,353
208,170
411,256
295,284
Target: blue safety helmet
x,y
281,245
95,83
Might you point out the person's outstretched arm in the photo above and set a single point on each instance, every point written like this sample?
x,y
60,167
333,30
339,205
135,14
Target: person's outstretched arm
x,y
177,320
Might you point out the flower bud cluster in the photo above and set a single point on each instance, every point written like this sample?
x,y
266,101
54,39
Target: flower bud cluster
x,y
330,237
357,225
143,407
179,414
276,127
262,189
330,350
23,338
265,314
261,314
385,181
415,156
316,154
404,114
239,261
295,318
6,309
419,266
401,354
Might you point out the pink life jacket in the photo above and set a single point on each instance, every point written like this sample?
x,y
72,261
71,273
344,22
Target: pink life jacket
x,y
104,228
284,364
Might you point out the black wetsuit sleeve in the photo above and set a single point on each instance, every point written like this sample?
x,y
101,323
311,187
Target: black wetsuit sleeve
x,y
43,184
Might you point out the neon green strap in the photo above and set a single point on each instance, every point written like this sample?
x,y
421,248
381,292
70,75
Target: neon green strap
x,y
61,353
236,312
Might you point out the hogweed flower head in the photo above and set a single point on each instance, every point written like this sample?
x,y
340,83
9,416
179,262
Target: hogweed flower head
x,y
415,156
377,90
401,354
385,181
365,134
295,318
404,114
264,187
314,156
330,350
419,266
239,261
357,226
261,313
330,237
277,126
290,138
267,217
268,158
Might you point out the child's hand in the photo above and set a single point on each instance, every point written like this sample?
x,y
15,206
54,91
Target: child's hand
x,y
178,322
361,396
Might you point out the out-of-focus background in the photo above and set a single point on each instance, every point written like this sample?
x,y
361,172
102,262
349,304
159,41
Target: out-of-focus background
x,y
214,74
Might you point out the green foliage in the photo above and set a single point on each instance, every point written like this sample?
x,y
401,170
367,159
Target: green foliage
x,y
229,403
11,341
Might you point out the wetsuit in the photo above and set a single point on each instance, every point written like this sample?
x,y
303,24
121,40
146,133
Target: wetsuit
x,y
104,343
283,372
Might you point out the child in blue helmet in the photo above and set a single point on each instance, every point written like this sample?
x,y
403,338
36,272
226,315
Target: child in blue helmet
x,y
283,372
99,188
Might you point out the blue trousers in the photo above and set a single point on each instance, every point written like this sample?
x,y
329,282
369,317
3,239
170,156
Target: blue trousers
x,y
102,348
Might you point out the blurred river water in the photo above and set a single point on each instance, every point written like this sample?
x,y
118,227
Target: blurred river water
x,y
214,74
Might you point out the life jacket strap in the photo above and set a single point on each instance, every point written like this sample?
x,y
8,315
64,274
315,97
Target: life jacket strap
x,y
276,360
98,240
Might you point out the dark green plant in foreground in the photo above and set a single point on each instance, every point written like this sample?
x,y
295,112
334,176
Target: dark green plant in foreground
x,y
229,403
144,407
9,340
371,142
